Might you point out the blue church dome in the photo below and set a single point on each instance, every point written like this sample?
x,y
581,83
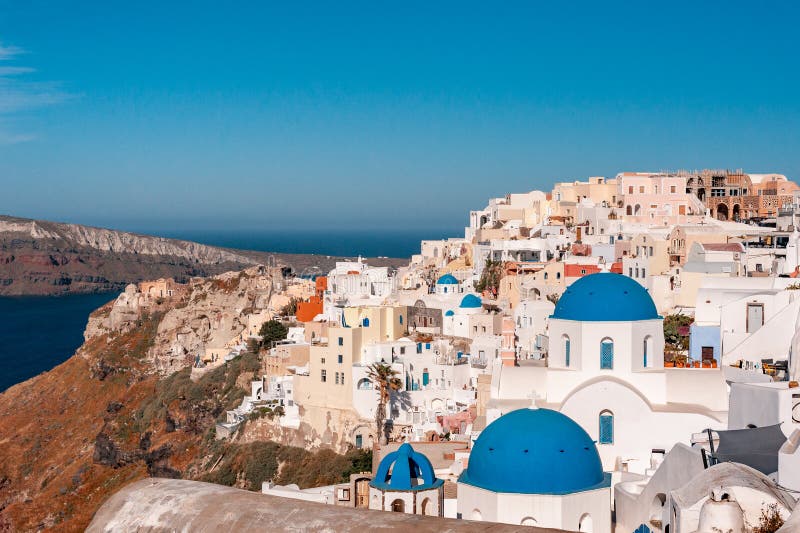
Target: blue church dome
x,y
470,301
447,279
605,297
535,451
410,470
449,313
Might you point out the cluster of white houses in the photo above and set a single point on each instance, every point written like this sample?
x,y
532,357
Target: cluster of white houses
x,y
537,384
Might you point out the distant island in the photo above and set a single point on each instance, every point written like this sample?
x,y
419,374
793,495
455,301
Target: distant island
x,y
51,258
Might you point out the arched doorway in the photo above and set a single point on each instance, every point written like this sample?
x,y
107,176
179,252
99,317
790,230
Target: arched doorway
x,y
657,507
476,515
722,212
585,523
426,507
737,212
398,506
528,521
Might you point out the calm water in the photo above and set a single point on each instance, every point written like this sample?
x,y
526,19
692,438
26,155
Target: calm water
x,y
348,243
38,333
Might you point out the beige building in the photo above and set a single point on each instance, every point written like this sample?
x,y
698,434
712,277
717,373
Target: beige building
x,y
654,249
681,239
596,189
329,383
278,359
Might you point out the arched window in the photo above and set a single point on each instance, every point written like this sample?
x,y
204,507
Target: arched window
x,y
566,349
558,275
365,322
606,421
647,352
545,275
364,384
398,506
607,354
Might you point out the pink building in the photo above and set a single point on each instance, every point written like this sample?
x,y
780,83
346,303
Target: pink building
x,y
656,198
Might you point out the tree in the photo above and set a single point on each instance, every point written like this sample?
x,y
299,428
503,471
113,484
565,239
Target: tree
x,y
290,309
490,277
272,331
674,341
385,378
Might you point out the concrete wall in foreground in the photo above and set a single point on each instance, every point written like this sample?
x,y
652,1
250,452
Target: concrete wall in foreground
x,y
180,505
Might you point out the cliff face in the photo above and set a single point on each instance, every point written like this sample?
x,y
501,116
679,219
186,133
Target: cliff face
x,y
125,407
49,258
52,258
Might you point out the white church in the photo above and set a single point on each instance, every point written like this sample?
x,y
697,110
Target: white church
x,y
606,372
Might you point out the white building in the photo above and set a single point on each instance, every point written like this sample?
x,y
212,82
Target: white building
x,y
606,371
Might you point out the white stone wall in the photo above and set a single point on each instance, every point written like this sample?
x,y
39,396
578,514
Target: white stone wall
x,y
543,510
638,429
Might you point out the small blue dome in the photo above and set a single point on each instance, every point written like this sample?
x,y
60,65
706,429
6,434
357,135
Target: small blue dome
x,y
447,279
449,313
535,451
605,297
410,470
470,301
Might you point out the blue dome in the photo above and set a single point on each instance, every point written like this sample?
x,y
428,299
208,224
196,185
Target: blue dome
x,y
535,451
410,470
605,297
447,279
449,313
470,301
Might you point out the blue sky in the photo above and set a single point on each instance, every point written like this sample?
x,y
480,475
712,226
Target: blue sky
x,y
375,114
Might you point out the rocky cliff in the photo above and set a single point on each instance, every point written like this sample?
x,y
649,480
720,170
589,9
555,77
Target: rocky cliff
x,y
126,406
52,258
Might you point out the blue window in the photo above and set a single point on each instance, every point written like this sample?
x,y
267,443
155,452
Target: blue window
x,y
341,341
427,346
606,354
340,358
401,319
425,378
643,528
359,441
644,354
419,347
566,350
365,322
606,427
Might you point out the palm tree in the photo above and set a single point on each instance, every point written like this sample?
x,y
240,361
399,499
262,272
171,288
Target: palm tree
x,y
385,378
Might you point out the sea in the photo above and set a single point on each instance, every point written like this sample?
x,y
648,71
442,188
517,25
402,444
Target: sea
x,y
323,241
39,333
